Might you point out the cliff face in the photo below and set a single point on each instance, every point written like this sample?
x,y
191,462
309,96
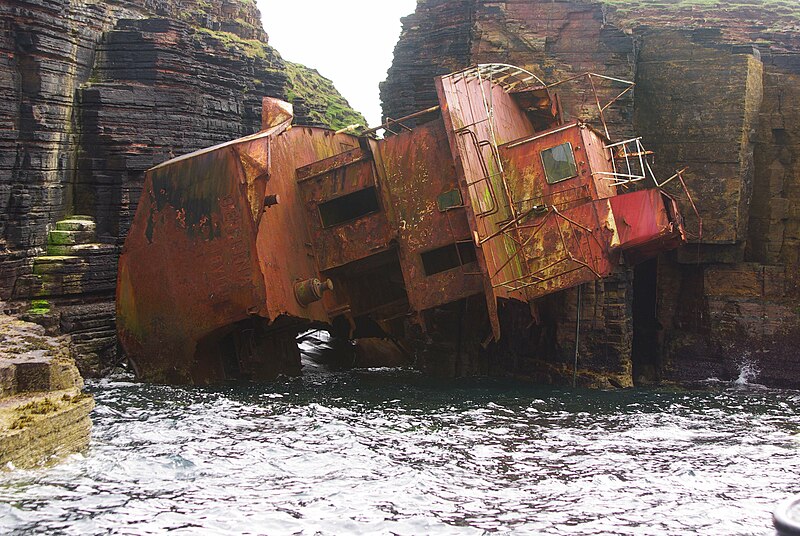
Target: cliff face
x,y
192,88
436,40
93,93
716,91
554,40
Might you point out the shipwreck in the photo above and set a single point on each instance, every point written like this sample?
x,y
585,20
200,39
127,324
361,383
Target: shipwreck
x,y
487,199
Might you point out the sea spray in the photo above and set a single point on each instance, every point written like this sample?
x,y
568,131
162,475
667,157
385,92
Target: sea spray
x,y
748,371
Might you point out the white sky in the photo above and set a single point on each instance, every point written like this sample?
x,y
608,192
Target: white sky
x,y
348,41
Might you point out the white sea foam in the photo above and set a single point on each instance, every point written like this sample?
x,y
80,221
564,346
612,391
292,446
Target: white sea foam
x,y
748,372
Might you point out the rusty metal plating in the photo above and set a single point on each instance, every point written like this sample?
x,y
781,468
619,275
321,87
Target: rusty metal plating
x,y
491,195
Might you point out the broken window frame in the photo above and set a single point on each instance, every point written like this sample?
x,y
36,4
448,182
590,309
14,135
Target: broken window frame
x,y
329,222
454,193
432,260
574,166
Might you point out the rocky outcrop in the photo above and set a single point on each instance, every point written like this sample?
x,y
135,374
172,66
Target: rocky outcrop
x,y
716,91
94,93
729,114
46,53
316,101
43,413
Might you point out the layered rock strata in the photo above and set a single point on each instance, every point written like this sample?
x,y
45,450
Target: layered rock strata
x,y
43,413
716,91
160,89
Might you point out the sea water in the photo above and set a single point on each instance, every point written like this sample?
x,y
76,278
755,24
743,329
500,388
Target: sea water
x,y
391,452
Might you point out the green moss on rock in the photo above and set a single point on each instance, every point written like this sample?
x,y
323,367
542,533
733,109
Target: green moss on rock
x,y
252,48
38,407
21,422
326,105
39,307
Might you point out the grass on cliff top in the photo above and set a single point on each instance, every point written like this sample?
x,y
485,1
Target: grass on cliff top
x,y
326,104
775,9
252,48
198,13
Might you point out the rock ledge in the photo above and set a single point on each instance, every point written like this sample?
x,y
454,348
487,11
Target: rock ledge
x,y
44,414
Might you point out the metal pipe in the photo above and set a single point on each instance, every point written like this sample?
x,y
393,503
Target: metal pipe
x,y
396,121
542,135
577,336
599,107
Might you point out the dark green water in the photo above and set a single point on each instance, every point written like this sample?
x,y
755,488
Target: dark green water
x,y
389,452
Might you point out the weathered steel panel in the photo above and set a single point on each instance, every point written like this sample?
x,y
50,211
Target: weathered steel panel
x,y
569,248
648,224
326,165
473,136
353,239
416,168
189,265
284,243
372,286
525,174
599,159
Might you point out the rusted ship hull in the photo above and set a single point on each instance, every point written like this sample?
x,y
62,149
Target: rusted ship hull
x,y
208,271
490,198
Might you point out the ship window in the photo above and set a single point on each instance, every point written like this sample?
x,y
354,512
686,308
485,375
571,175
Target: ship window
x,y
448,257
559,163
349,207
448,200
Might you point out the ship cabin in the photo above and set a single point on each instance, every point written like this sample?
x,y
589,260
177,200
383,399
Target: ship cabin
x,y
490,193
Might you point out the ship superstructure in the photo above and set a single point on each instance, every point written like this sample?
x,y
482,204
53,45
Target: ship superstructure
x,y
489,197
